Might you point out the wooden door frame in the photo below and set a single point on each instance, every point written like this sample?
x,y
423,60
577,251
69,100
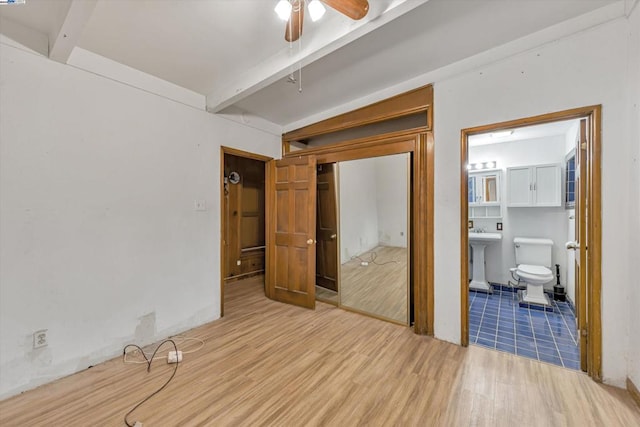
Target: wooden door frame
x,y
421,145
594,226
223,223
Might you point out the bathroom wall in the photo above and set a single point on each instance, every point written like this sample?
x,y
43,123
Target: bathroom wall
x,y
543,222
570,284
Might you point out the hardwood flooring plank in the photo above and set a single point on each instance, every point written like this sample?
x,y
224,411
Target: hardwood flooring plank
x,y
271,364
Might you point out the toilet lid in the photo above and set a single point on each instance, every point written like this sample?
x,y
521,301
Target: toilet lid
x,y
537,270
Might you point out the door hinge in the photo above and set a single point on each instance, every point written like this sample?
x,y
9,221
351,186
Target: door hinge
x,y
584,332
583,146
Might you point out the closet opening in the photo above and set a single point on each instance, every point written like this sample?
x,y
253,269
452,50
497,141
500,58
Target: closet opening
x,y
242,218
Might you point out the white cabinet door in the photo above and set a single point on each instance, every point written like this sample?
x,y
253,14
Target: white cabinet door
x,y
547,185
519,186
539,185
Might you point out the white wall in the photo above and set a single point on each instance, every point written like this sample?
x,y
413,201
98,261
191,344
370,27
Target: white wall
x,y
99,240
392,183
632,164
547,222
373,204
358,211
583,69
570,283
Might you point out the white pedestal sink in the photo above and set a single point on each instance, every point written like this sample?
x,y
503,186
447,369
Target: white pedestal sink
x,y
479,241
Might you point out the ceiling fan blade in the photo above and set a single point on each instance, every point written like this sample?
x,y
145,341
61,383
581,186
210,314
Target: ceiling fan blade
x,y
294,25
354,9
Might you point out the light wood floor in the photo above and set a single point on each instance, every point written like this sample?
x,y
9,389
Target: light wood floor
x,y
326,295
380,289
267,363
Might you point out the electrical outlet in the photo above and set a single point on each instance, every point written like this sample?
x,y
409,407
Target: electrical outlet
x,y
200,205
40,339
238,262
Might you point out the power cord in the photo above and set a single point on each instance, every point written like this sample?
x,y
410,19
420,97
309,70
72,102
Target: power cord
x,y
372,259
148,361
181,340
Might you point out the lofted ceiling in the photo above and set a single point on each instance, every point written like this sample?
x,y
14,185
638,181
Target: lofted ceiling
x,y
233,52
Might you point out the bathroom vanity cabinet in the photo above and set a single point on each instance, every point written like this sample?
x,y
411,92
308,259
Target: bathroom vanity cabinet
x,y
534,186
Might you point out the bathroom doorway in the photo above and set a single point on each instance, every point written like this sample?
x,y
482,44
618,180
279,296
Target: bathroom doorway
x,y
530,200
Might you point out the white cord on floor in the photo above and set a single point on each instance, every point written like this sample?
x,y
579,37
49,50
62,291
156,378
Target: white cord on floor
x,y
179,340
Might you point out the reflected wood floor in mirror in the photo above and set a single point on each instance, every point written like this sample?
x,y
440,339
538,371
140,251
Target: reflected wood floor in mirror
x,y
379,288
272,364
326,295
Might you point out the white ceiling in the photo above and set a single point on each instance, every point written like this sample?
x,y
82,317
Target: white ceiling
x,y
234,52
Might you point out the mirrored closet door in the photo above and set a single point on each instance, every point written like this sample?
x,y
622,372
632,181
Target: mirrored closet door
x,y
373,223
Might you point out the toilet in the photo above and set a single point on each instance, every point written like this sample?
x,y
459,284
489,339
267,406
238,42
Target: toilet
x,y
533,260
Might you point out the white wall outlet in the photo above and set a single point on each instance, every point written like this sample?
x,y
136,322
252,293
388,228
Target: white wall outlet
x,y
174,357
40,338
238,262
200,205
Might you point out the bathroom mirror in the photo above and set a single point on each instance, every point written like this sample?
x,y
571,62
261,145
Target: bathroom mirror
x,y
485,194
374,197
484,187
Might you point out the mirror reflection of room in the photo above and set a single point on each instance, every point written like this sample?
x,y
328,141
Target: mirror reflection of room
x,y
373,196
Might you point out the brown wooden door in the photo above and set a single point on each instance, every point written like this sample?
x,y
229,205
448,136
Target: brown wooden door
x,y
581,241
327,228
291,222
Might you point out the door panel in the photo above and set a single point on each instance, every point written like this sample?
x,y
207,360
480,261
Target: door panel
x,y
327,228
582,241
547,185
519,186
291,219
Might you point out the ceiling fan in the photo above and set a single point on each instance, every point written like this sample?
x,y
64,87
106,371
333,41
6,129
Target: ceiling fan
x,y
292,11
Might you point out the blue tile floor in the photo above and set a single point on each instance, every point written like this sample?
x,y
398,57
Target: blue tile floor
x,y
496,321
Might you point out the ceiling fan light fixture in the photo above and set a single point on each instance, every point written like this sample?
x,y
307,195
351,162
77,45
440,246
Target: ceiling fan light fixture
x,y
316,10
283,9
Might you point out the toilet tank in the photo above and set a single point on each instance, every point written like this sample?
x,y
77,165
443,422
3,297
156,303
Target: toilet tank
x,y
533,251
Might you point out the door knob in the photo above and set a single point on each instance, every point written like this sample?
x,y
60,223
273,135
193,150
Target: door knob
x,y
573,245
310,242
333,236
